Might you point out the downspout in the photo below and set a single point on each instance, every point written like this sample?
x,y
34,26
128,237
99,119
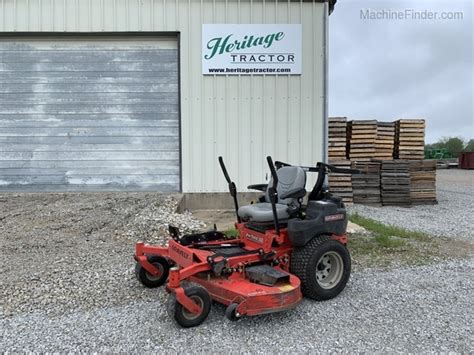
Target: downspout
x,y
325,80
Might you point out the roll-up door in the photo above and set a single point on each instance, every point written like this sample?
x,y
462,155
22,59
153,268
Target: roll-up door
x,y
89,113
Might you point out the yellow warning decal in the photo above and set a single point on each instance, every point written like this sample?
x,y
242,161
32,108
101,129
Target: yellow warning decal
x,y
287,287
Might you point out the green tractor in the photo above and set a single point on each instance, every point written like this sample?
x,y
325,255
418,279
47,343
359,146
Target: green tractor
x,y
441,153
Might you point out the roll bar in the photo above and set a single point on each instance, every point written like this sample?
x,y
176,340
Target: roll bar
x,y
322,169
329,168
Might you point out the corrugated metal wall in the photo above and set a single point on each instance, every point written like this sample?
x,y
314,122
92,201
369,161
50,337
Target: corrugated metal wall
x,y
242,118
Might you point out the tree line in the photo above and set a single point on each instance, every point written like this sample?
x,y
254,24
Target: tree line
x,y
454,145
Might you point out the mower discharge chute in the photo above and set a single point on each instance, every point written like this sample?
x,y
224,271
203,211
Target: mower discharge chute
x,y
284,250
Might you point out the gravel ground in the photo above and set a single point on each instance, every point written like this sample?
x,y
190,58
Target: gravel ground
x,y
60,252
67,284
453,216
405,310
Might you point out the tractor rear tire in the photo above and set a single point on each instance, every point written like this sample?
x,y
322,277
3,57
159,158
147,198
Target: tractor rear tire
x,y
149,280
323,265
181,315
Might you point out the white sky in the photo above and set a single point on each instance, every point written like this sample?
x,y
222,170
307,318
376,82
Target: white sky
x,y
403,68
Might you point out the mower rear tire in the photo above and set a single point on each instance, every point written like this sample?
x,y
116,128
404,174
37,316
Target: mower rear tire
x,y
149,280
181,315
323,265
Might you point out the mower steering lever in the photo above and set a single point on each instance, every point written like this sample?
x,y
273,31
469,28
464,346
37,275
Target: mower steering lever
x,y
232,188
273,193
224,170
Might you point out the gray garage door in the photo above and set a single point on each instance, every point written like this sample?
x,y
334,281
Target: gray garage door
x,y
94,113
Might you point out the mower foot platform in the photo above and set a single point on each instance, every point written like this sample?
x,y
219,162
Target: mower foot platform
x,y
266,275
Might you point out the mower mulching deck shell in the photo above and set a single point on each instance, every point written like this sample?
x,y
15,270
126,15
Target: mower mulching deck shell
x,y
269,266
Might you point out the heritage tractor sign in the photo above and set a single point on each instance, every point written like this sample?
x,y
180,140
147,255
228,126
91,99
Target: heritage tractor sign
x,y
246,49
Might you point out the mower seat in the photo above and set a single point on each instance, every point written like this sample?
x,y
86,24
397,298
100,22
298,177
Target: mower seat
x,y
290,178
262,212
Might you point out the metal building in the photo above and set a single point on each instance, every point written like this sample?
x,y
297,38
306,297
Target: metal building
x,y
111,94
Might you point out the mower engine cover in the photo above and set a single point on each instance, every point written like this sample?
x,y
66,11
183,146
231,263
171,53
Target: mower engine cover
x,y
322,217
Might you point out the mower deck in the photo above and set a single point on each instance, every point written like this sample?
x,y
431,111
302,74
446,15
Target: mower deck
x,y
252,298
220,267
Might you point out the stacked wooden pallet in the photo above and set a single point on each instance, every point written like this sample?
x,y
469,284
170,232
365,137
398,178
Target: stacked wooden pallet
x,y
341,184
337,136
385,141
395,183
423,182
366,186
361,138
409,139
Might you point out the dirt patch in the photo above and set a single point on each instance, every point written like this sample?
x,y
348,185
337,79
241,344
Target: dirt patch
x,y
368,251
223,219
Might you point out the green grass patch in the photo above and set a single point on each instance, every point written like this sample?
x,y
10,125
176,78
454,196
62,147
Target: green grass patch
x,y
384,232
386,241
386,245
232,233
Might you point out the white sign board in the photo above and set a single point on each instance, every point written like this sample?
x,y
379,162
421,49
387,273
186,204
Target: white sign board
x,y
246,49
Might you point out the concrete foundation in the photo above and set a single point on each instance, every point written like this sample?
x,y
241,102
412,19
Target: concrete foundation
x,y
215,201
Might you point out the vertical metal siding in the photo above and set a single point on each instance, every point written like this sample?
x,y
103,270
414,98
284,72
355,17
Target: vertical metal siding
x,y
242,118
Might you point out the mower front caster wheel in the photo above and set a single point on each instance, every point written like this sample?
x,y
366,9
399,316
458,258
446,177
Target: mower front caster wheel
x,y
149,280
231,312
181,315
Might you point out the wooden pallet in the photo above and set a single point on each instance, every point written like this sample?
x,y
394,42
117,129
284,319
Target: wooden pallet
x,y
395,183
341,184
423,182
361,137
366,186
385,141
409,139
337,133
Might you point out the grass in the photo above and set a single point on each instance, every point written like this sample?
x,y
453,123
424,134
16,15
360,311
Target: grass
x,y
387,241
385,245
231,233
384,232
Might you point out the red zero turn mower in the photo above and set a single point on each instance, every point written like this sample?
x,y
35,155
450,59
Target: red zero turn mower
x,y
284,250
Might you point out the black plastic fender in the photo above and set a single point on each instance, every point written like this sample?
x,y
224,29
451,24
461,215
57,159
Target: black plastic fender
x,y
322,217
